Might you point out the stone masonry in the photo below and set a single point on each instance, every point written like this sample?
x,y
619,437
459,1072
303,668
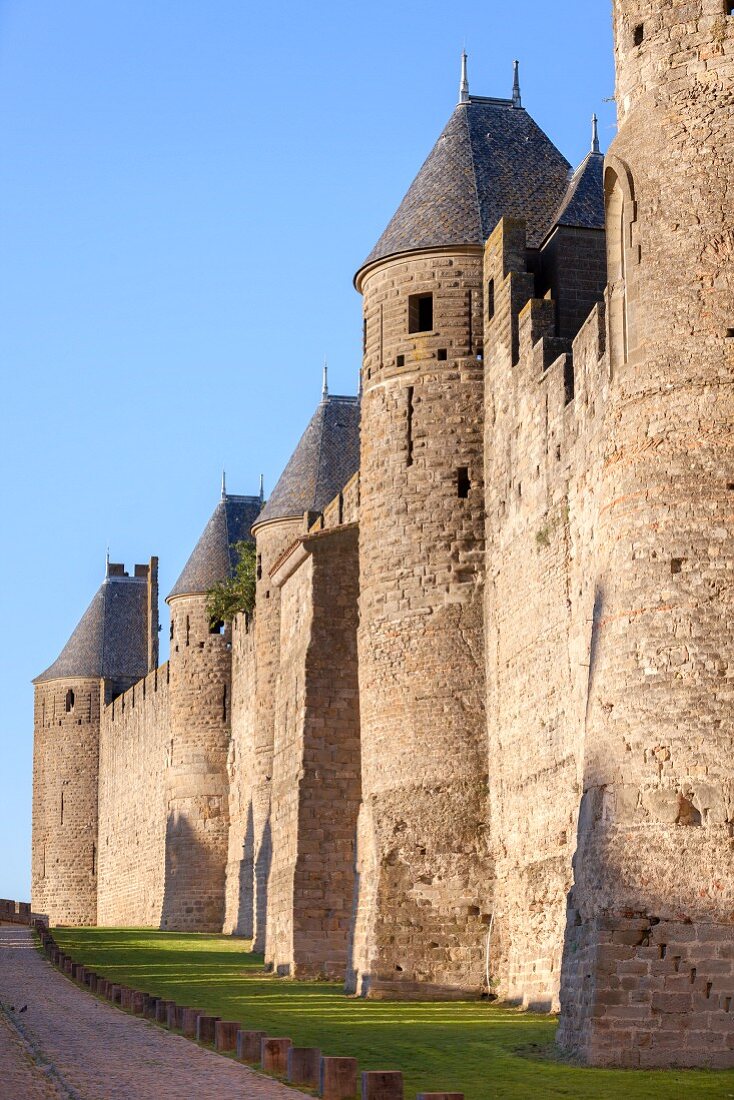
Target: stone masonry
x,y
476,735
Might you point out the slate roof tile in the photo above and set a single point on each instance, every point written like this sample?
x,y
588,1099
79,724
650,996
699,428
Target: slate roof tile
x,y
213,559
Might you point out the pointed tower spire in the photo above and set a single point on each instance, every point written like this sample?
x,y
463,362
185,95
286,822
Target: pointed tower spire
x,y
325,382
262,489
595,147
516,97
224,485
464,82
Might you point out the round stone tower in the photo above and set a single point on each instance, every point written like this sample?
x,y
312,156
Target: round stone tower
x,y
200,690
653,870
111,648
425,876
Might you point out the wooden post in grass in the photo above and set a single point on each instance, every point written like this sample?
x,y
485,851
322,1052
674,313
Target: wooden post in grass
x,y
304,1065
381,1084
225,1035
205,1026
274,1055
338,1079
248,1045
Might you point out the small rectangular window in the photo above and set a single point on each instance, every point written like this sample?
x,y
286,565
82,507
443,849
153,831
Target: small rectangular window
x,y
364,336
490,299
400,361
463,482
730,331
442,355
420,313
638,34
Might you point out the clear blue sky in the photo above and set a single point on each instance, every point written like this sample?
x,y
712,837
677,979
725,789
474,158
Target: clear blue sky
x,y
186,190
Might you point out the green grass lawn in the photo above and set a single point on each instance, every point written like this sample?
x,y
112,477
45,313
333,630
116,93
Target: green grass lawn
x,y
472,1047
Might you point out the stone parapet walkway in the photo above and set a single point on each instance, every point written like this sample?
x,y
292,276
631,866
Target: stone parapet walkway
x,y
70,1045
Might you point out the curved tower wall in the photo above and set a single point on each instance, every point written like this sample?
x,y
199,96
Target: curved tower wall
x,y
424,875
654,888
254,732
65,778
197,821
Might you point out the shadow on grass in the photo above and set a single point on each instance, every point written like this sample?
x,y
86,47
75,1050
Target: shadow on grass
x,y
485,1050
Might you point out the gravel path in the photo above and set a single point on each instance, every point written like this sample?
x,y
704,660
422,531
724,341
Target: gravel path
x,y
68,1045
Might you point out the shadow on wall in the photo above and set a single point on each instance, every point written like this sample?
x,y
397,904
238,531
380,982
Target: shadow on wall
x,y
193,890
263,860
243,924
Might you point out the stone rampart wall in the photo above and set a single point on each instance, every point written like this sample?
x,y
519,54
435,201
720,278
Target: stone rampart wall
x,y
134,753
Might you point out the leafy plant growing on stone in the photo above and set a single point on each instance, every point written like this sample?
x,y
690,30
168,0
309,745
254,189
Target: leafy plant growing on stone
x,y
237,593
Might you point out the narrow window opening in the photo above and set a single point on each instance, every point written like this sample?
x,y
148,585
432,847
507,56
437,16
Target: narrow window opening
x,y
442,355
340,517
480,351
188,630
463,482
62,807
69,701
730,331
676,963
490,299
369,373
663,950
94,859
709,987
638,34
216,626
382,329
693,974
409,429
259,570
170,631
224,703
364,336
400,361
420,313
730,486
727,1004
470,325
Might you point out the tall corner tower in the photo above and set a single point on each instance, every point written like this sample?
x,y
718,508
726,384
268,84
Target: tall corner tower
x,y
425,875
654,885
107,652
200,693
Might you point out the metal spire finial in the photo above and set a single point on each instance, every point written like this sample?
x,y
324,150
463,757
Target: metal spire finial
x,y
325,382
595,147
516,97
107,562
224,485
464,82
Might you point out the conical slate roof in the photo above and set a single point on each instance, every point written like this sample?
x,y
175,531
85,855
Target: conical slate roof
x,y
491,161
322,463
583,203
110,641
213,559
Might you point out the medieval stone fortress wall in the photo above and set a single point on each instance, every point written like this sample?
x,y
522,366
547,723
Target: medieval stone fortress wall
x,y
477,734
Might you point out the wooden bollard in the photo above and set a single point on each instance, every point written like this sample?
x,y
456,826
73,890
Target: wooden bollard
x,y
126,997
225,1035
161,1011
151,1005
175,1016
68,965
189,1016
205,1028
248,1045
382,1084
303,1066
440,1096
338,1078
116,997
274,1055
138,1002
